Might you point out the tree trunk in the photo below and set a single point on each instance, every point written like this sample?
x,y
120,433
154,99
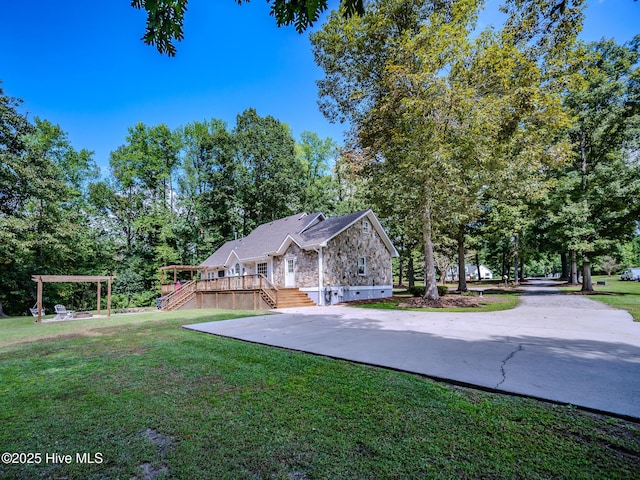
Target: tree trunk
x,y
430,286
564,275
516,276
411,274
587,285
478,266
462,275
2,314
400,270
505,271
573,268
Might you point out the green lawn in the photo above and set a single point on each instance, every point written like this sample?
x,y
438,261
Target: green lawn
x,y
619,294
151,397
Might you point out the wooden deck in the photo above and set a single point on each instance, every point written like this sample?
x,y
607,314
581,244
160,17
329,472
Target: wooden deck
x,y
257,286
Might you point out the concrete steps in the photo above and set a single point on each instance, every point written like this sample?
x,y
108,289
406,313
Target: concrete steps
x,y
293,297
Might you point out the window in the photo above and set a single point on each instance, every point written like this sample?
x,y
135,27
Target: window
x,y
366,226
237,270
362,266
220,273
262,269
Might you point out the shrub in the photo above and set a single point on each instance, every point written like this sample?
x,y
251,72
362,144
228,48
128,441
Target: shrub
x,y
416,291
144,299
419,291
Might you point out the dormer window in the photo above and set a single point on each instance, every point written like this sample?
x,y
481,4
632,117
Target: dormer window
x,y
366,226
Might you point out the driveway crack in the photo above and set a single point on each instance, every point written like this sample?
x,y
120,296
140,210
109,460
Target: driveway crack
x,y
504,363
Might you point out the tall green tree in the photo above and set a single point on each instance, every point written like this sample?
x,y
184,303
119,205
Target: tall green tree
x,y
598,193
269,169
139,199
209,188
318,187
44,220
384,74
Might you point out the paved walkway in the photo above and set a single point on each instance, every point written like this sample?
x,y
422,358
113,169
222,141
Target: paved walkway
x,y
565,348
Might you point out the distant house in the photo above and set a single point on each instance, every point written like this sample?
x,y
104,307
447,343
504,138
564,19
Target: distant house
x,y
329,260
471,273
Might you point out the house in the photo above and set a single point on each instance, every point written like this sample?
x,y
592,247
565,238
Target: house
x,y
326,260
471,272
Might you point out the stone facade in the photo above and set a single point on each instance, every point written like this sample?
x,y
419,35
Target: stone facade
x,y
340,261
340,258
306,271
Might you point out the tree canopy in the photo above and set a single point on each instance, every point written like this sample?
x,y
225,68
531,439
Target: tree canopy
x,y
543,22
165,18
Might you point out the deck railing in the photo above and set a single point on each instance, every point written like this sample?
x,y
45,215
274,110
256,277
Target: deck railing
x,y
185,289
223,284
242,282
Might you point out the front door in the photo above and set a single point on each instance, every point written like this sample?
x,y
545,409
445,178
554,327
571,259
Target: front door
x,y
290,272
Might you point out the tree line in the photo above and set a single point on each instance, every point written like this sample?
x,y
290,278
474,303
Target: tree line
x,y
514,142
171,197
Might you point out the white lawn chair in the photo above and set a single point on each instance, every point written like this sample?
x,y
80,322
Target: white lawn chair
x,y
34,310
62,313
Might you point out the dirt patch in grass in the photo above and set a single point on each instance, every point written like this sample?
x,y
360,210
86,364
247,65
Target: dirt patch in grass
x,y
151,471
449,301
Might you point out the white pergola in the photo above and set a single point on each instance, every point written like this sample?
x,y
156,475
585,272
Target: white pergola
x,y
42,279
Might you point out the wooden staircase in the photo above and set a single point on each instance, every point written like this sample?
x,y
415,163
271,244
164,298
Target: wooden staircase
x,y
180,301
268,298
293,297
178,298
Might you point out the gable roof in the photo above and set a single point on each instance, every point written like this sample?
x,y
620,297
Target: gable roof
x,y
262,241
323,231
307,231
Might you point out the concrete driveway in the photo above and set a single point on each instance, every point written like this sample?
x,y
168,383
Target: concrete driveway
x,y
564,348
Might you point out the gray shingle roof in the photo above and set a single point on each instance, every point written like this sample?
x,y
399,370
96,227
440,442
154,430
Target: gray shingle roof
x,y
264,240
306,230
329,228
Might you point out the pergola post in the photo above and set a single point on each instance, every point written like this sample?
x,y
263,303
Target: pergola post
x,y
99,297
41,279
109,297
39,300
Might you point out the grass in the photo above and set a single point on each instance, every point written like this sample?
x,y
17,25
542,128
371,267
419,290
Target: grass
x,y
616,293
152,397
24,329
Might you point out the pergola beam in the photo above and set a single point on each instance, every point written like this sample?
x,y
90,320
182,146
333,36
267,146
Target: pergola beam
x,y
41,279
180,268
71,278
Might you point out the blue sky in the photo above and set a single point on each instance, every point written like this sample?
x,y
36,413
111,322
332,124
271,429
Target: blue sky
x,y
82,65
